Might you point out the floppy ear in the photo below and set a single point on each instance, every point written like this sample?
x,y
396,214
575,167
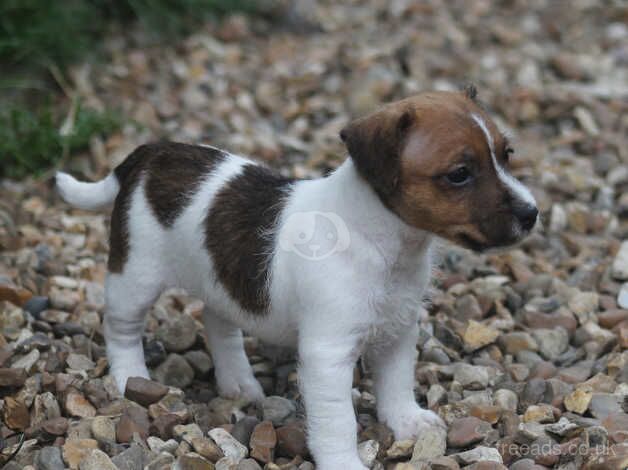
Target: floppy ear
x,y
374,143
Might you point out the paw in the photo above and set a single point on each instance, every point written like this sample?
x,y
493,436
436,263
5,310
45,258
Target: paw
x,y
122,374
409,421
245,386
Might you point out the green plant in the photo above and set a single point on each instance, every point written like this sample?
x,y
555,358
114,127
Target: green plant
x,y
31,141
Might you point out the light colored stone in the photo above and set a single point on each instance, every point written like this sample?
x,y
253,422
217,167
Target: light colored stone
x,y
103,429
431,443
622,297
478,335
228,444
75,450
400,449
367,451
578,401
470,376
552,342
478,454
619,268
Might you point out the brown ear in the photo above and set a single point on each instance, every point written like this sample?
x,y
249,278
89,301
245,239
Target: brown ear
x,y
374,143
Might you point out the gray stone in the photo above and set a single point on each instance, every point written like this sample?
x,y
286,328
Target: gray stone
x,y
178,334
563,427
49,458
506,399
552,342
103,429
469,376
277,409
174,371
248,464
478,454
130,459
200,361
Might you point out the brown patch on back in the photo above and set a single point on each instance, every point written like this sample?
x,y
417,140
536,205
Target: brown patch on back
x,y
238,231
172,172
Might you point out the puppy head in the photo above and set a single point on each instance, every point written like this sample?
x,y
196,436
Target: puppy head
x,y
439,162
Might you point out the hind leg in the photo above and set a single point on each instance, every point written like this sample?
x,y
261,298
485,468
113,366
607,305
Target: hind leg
x,y
127,300
234,375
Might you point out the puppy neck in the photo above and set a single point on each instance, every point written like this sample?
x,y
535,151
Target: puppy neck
x,y
357,203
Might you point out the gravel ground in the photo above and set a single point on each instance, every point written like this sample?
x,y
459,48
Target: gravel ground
x,y
524,354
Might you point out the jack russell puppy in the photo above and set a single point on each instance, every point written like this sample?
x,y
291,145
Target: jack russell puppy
x,y
336,266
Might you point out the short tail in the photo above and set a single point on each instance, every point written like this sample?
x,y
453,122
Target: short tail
x,y
90,196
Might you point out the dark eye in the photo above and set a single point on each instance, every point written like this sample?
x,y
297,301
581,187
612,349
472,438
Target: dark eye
x,y
459,177
508,151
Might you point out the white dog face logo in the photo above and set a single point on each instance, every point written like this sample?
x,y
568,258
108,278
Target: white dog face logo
x,y
314,235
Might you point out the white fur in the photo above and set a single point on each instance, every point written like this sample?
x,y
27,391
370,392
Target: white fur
x,y
518,190
360,293
90,196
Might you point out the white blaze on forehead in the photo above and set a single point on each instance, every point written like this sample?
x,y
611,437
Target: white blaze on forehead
x,y
518,189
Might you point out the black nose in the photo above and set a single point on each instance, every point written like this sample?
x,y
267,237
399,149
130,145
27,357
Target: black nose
x,y
526,214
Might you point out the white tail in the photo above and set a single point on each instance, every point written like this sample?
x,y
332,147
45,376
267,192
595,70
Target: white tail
x,y
90,196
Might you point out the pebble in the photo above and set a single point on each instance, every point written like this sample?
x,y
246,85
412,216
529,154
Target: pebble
x,y
277,409
132,458
49,458
133,420
243,429
207,448
228,444
77,405
478,454
477,336
291,441
12,377
187,432
466,431
471,377
367,452
174,371
144,391
517,341
552,342
15,414
622,297
177,335
27,362
79,362
539,414
430,444
604,404
578,401
97,460
75,450
619,268
103,430
192,462
563,427
263,442
400,449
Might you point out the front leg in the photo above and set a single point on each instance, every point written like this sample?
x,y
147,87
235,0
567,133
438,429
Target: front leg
x,y
326,375
393,364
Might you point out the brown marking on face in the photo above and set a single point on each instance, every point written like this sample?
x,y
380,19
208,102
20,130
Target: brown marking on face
x,y
172,173
239,233
437,135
